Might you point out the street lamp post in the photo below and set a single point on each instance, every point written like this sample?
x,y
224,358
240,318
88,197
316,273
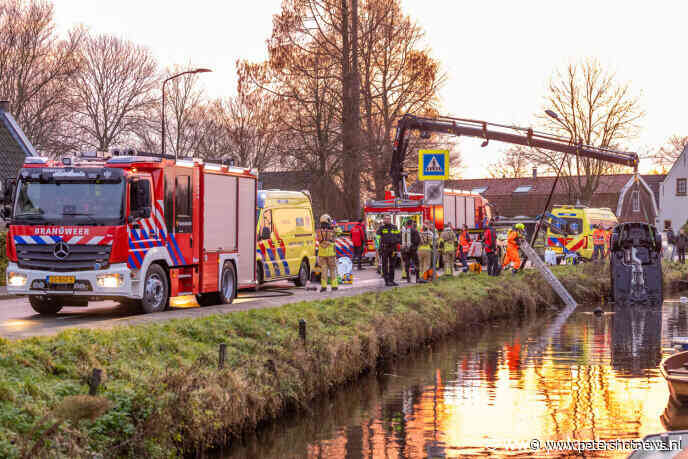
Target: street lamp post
x,y
187,72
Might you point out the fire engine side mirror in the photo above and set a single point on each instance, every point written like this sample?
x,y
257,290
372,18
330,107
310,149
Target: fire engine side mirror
x,y
8,187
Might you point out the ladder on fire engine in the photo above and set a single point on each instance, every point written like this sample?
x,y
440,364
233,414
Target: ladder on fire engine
x,y
547,274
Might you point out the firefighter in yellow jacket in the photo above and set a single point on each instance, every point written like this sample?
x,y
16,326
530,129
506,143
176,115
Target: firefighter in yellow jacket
x,y
449,250
326,237
425,252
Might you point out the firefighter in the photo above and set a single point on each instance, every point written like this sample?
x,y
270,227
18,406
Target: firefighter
x,y
425,252
326,237
598,241
390,239
513,243
449,251
490,242
464,247
410,240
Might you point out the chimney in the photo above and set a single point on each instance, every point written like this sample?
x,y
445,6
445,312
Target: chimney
x,y
4,105
535,172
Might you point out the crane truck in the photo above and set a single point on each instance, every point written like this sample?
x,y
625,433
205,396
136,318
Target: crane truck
x,y
643,282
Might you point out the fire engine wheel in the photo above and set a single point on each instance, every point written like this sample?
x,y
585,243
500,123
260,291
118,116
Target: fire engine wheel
x,y
304,275
155,290
228,286
45,304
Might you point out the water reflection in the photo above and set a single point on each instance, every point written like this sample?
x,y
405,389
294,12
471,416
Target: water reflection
x,y
636,340
590,377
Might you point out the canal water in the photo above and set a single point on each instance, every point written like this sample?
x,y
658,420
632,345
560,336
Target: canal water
x,y
566,375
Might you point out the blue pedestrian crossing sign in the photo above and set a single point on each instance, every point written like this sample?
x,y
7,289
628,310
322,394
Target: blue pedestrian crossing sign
x,y
433,164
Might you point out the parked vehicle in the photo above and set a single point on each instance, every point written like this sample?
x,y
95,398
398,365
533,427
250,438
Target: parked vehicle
x,y
285,248
134,227
674,369
636,264
575,235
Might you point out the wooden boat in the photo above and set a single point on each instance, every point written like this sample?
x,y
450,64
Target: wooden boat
x,y
675,416
674,369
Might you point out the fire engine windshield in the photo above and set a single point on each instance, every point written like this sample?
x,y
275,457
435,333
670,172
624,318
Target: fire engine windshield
x,y
569,226
70,203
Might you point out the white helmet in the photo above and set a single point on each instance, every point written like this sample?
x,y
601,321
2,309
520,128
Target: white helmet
x,y
325,218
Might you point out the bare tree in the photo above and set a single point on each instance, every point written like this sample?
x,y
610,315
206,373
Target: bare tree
x,y
317,39
114,92
36,71
593,109
667,155
254,127
307,87
398,75
514,163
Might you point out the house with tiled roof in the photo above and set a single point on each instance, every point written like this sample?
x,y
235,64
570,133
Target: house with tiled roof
x,y
673,195
14,145
629,199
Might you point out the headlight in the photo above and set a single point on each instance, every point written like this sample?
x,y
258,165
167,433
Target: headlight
x,y
109,280
16,279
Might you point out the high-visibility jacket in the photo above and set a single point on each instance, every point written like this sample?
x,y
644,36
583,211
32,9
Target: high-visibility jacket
x,y
465,241
358,235
390,237
426,238
512,255
512,240
449,238
326,238
490,240
598,237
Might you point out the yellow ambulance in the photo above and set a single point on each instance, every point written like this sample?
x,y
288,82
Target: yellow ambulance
x,y
285,236
574,233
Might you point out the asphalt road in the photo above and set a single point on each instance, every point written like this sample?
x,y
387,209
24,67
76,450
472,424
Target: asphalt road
x,y
18,320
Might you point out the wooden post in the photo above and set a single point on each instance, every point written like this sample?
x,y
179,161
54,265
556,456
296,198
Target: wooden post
x,y
302,330
94,381
221,358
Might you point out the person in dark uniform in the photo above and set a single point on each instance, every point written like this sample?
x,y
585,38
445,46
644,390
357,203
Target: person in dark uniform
x,y
390,239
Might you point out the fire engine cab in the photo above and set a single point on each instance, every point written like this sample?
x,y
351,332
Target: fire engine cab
x,y
136,228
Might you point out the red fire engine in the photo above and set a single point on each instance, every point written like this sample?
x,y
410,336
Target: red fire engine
x,y
139,228
459,208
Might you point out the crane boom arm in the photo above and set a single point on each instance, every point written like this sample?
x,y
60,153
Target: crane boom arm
x,y
491,131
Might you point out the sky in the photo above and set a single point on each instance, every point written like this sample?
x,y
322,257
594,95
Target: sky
x,y
498,55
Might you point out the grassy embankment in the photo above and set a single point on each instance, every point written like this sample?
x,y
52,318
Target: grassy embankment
x,y
163,393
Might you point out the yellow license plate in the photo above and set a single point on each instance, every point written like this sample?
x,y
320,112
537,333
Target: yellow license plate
x,y
61,279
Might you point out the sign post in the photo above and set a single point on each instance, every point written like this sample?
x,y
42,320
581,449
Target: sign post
x,y
433,169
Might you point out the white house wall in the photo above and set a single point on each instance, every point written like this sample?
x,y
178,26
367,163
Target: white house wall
x,y
671,206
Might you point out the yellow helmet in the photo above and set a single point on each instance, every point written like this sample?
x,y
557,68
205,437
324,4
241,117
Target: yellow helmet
x,y
325,218
520,226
